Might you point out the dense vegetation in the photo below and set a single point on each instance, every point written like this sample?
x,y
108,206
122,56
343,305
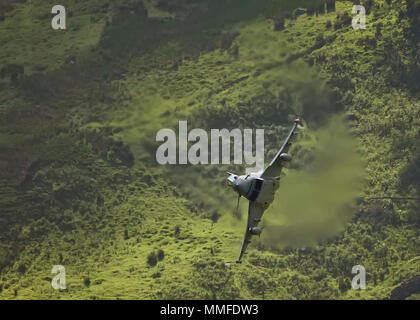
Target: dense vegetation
x,y
79,112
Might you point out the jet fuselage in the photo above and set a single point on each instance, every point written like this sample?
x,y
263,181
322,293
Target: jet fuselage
x,y
254,188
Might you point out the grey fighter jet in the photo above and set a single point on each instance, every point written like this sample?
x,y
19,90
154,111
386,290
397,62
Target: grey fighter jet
x,y
259,188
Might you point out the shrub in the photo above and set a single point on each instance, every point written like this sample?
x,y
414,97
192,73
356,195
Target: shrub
x,y
160,255
368,4
279,23
152,259
227,39
343,20
319,42
378,31
21,268
310,11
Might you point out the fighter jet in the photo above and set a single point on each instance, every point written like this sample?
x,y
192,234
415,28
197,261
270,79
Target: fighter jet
x,y
259,188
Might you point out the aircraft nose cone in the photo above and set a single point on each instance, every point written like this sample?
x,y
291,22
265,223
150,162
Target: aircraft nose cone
x,y
232,180
235,185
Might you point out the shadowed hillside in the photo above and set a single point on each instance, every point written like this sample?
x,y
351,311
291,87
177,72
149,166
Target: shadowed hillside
x,y
79,182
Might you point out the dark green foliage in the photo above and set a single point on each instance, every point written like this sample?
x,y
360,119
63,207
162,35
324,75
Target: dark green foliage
x,y
378,30
279,23
407,289
328,24
216,279
215,216
127,10
410,184
330,5
319,42
171,5
413,15
77,131
310,11
257,285
160,255
234,51
320,7
152,259
344,284
368,4
7,5
228,38
14,71
343,20
21,268
156,275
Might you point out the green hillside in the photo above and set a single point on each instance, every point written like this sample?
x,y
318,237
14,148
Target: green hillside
x,y
79,182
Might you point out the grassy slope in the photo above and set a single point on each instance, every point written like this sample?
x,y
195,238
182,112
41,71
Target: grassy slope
x,y
153,89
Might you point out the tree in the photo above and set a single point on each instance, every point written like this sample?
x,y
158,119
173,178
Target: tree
x,y
160,255
152,259
279,23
